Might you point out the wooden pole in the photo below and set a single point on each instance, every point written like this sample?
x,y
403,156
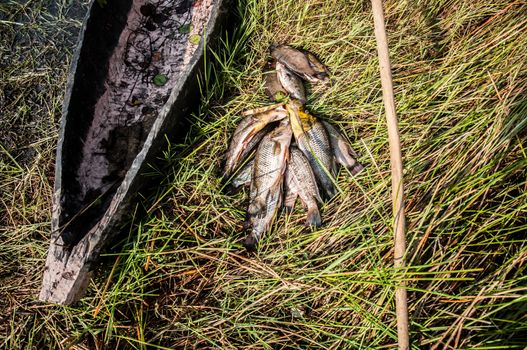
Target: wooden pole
x,y
399,225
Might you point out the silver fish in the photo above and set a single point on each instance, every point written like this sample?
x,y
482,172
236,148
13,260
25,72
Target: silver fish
x,y
266,186
300,183
273,87
342,150
313,140
247,135
291,82
301,62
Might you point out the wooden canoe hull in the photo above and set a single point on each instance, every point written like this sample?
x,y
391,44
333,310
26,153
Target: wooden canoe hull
x,y
68,266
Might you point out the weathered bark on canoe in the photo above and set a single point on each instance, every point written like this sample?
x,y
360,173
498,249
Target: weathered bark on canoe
x,y
71,257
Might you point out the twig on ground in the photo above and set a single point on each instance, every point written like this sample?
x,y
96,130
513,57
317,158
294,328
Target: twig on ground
x,y
397,172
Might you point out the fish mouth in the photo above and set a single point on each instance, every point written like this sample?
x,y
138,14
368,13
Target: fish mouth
x,y
273,46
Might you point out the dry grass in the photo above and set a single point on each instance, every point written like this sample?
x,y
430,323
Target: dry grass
x,y
181,278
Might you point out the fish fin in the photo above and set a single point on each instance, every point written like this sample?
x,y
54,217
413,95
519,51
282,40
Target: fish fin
x,y
329,189
357,168
247,222
347,157
318,197
256,207
289,202
349,150
313,217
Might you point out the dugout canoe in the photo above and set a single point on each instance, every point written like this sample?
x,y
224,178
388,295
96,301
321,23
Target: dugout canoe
x,y
132,80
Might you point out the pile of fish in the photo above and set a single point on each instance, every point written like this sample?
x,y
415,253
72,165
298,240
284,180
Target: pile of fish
x,y
282,151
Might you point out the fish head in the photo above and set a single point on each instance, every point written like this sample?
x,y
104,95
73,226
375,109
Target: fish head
x,y
281,137
307,120
296,104
270,116
283,132
322,72
273,47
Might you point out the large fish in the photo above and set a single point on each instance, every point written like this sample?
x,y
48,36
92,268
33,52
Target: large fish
x,y
313,140
342,150
291,82
302,63
247,135
273,87
269,167
300,183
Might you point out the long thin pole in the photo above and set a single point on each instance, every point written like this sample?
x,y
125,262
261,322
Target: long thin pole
x,y
399,225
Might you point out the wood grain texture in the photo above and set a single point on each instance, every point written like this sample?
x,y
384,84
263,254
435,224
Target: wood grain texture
x,y
70,260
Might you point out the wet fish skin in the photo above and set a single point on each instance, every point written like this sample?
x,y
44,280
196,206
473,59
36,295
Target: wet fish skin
x,y
301,62
262,221
273,87
313,140
248,133
342,150
267,179
300,183
291,82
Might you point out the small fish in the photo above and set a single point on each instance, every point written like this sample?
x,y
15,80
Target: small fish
x,y
300,182
291,82
247,135
342,150
301,62
273,87
269,167
313,140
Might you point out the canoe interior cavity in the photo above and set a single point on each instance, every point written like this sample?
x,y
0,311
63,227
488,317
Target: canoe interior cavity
x,y
122,82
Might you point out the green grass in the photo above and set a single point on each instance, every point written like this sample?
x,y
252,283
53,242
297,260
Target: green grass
x,y
181,278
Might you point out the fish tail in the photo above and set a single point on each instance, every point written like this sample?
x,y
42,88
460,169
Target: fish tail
x,y
356,168
256,207
289,203
251,241
230,189
313,217
328,187
350,162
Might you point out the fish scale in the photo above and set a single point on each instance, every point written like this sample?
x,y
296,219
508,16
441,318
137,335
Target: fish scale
x,y
301,183
313,140
247,135
266,185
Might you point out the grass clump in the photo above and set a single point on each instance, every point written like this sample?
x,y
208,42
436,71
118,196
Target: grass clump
x,y
181,278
